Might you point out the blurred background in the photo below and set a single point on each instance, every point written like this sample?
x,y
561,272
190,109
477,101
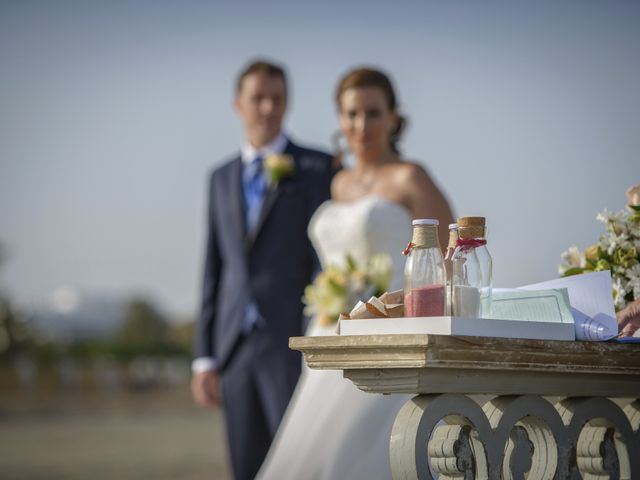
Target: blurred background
x,y
113,113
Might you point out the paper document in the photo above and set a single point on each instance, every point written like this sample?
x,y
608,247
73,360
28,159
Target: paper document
x,y
533,306
591,303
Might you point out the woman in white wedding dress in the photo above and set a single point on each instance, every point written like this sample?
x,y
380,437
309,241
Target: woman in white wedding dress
x,y
331,430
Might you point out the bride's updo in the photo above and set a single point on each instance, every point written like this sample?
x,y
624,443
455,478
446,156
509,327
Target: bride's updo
x,y
367,77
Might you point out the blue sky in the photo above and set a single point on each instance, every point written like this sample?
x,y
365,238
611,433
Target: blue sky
x,y
112,113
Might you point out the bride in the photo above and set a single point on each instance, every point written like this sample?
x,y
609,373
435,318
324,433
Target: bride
x,y
332,430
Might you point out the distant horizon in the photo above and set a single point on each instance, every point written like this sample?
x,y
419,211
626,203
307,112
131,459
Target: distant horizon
x,y
67,300
114,114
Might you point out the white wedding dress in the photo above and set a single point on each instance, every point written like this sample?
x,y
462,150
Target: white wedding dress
x,y
331,430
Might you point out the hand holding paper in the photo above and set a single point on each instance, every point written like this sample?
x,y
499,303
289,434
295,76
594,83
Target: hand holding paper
x,y
629,319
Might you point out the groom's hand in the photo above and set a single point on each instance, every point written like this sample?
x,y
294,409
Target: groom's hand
x,y
205,388
629,318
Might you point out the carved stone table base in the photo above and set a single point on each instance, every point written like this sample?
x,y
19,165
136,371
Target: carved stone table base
x,y
450,436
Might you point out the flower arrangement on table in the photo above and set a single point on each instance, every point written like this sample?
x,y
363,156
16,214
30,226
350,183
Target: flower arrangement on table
x,y
336,289
618,250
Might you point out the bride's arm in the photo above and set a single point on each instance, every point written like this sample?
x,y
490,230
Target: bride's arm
x,y
426,200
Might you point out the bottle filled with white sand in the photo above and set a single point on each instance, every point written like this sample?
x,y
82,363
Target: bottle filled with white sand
x,y
471,265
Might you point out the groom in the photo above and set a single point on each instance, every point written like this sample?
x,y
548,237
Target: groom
x,y
258,261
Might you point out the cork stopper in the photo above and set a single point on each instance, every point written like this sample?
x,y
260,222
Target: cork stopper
x,y
471,221
425,233
471,227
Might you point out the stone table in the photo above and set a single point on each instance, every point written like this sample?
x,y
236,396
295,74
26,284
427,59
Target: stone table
x,y
495,407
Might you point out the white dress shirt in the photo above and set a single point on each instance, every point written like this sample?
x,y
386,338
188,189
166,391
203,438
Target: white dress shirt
x,y
275,147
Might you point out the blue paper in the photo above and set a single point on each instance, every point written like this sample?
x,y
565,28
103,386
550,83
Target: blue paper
x,y
627,339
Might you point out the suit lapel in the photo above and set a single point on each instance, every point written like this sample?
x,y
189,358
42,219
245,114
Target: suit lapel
x,y
267,204
236,198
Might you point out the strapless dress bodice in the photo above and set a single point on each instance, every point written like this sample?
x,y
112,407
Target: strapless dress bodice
x,y
329,421
361,228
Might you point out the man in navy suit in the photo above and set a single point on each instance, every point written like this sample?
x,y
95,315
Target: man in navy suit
x,y
258,261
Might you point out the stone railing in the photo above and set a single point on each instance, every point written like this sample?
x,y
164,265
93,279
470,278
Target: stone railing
x,y
490,408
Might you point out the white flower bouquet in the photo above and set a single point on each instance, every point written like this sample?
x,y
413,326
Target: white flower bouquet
x,y
336,289
618,250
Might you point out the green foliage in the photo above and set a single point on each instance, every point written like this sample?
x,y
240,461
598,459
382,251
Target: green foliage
x,y
143,326
351,265
14,332
181,335
146,331
573,271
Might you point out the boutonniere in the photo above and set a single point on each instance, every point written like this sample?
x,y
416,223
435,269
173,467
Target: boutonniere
x,y
278,167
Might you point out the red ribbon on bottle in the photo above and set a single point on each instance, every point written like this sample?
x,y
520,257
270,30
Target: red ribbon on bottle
x,y
406,251
469,243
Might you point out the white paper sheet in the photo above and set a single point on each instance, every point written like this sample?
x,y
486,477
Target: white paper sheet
x,y
590,295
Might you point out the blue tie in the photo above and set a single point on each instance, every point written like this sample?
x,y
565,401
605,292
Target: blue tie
x,y
254,188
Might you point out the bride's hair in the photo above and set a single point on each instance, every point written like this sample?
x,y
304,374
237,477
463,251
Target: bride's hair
x,y
368,77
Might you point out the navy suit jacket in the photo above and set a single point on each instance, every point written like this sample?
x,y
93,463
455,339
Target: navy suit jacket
x,y
270,265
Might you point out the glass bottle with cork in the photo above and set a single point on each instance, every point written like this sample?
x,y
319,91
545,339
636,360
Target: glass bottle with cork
x,y
471,280
424,272
486,267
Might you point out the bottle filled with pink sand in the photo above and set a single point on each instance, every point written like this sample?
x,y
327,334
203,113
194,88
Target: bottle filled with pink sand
x,y
424,272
